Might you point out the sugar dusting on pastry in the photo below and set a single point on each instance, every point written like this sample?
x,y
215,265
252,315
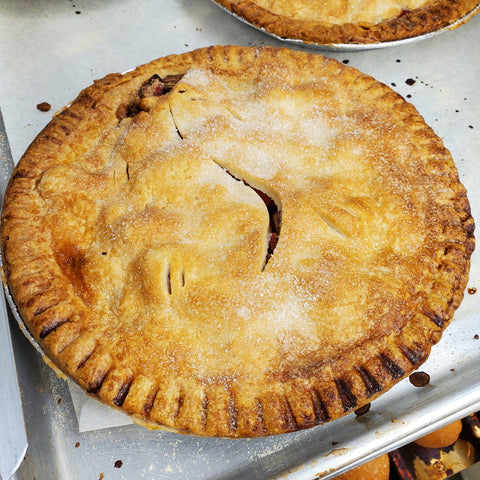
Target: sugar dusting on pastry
x,y
358,11
186,248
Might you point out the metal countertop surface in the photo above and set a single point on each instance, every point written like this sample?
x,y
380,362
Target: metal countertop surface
x,y
49,51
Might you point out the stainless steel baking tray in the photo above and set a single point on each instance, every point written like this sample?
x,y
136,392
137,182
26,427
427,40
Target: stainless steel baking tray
x,y
48,53
352,47
59,450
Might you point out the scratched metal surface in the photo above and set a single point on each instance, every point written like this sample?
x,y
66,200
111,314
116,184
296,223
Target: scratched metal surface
x,y
49,51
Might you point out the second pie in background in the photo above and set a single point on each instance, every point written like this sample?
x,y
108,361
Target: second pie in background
x,y
364,22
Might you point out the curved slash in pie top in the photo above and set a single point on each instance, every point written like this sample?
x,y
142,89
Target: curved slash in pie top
x,y
168,261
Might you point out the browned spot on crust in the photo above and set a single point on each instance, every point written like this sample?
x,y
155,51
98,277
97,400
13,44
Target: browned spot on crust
x,y
321,412
71,260
393,369
413,355
371,385
51,326
122,393
349,401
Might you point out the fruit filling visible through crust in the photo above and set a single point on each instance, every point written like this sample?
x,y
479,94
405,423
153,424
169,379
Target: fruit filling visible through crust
x,y
157,86
274,224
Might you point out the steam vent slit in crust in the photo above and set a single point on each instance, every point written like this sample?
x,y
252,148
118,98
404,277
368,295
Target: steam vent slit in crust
x,y
237,241
362,22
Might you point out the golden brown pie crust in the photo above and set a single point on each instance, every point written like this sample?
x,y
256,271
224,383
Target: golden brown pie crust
x,y
343,22
138,245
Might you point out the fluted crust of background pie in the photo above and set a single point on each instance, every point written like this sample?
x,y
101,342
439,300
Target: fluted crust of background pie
x,y
365,22
138,244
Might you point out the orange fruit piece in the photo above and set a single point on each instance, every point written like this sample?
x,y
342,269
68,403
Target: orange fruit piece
x,y
378,468
443,437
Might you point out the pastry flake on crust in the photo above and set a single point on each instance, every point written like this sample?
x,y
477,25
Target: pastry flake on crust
x,y
237,241
350,22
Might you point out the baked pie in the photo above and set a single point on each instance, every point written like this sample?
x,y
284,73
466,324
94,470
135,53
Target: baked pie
x,y
237,241
349,22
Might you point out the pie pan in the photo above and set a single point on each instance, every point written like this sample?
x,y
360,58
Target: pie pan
x,y
20,322
167,306
353,47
